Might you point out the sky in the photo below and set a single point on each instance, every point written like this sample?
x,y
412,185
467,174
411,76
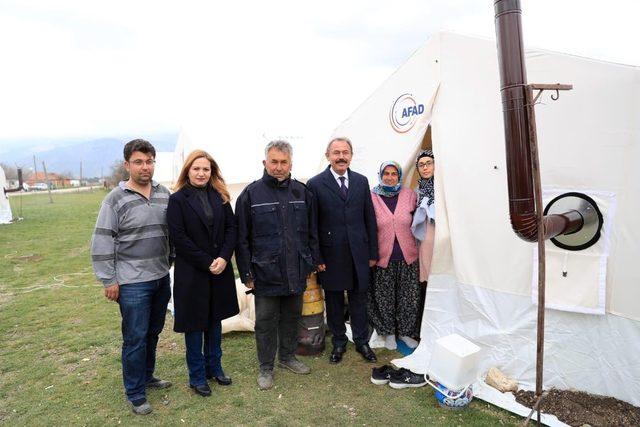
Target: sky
x,y
76,69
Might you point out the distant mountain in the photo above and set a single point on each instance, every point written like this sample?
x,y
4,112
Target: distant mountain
x,y
97,155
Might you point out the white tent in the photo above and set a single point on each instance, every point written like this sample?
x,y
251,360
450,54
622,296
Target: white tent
x,y
447,96
5,208
164,168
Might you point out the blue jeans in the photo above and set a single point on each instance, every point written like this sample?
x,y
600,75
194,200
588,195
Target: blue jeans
x,y
208,363
143,307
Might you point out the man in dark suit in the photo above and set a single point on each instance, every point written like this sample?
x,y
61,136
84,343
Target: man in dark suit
x,y
348,246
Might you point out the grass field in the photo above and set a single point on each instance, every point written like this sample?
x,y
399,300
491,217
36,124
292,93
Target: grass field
x,y
60,350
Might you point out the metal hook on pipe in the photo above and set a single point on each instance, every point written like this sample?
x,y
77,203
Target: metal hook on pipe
x,y
557,95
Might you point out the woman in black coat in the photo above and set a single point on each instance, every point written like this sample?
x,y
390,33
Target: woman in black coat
x,y
203,231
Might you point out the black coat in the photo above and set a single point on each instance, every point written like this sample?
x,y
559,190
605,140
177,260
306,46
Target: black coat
x,y
277,242
199,296
347,231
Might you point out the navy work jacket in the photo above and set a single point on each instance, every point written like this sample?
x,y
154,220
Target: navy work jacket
x,y
277,242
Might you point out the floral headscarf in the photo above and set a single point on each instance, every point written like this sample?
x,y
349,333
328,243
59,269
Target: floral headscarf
x,y
388,190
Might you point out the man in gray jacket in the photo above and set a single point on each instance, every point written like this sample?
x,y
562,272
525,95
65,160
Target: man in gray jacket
x,y
130,255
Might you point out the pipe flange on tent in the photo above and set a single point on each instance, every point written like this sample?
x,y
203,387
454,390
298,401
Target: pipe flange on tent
x,y
592,220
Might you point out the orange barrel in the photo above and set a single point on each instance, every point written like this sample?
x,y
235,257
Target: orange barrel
x,y
313,299
311,329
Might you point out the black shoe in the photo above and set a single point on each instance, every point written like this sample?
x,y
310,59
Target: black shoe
x,y
336,354
203,390
223,379
381,375
367,353
404,378
140,407
158,383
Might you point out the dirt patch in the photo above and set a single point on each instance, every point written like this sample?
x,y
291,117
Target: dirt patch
x,y
82,250
577,408
70,367
166,346
4,296
28,258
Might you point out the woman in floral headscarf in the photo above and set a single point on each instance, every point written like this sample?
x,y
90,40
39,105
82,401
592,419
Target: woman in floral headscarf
x,y
394,298
423,226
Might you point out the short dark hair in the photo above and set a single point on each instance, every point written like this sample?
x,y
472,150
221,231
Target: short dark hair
x,y
141,145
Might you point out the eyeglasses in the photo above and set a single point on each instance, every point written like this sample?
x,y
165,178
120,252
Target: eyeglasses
x,y
425,164
140,162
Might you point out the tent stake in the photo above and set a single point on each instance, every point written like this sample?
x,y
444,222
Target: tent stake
x,y
535,407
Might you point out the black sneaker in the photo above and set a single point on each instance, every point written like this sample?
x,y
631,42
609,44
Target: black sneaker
x,y
404,378
381,375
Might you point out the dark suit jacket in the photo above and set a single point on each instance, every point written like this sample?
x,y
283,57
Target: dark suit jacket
x,y
199,296
347,230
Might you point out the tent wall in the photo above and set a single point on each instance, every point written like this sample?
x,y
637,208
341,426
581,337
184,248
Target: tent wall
x,y
164,168
374,139
588,140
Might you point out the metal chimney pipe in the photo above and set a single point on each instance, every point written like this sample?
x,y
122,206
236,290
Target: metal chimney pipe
x,y
513,89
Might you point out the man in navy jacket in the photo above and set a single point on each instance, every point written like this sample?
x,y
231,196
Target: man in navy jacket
x,y
347,233
277,248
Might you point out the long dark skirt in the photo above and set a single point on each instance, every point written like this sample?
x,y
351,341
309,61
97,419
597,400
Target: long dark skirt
x,y
394,299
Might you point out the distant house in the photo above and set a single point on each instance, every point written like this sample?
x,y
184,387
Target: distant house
x,y
56,180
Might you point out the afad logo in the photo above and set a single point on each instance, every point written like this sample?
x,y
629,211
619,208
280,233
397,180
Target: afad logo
x,y
404,113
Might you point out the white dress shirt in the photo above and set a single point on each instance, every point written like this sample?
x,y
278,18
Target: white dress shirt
x,y
337,178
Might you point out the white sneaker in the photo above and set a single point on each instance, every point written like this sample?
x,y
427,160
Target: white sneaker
x,y
410,342
390,342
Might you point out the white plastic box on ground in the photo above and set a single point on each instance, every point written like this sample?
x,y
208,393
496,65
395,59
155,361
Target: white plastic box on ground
x,y
454,362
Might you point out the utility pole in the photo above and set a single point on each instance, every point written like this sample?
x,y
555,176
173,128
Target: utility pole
x,y
46,178
80,173
35,170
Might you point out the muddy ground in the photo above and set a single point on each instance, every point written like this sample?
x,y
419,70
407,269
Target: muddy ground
x,y
577,408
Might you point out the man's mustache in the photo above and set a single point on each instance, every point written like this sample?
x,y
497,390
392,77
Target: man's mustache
x,y
341,161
